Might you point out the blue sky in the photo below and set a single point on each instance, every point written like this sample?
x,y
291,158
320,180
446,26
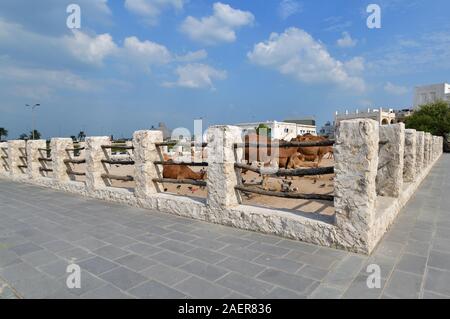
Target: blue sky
x,y
134,63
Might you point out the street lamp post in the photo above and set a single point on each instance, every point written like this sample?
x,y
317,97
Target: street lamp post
x,y
33,119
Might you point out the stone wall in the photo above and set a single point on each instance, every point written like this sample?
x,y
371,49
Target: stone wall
x,y
378,168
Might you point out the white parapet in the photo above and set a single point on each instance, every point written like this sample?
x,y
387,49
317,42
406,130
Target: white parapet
x,y
59,155
145,154
16,152
420,165
94,166
34,153
356,162
222,177
427,150
4,165
391,160
410,166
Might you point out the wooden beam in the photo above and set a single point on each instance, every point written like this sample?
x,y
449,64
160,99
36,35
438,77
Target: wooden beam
x,y
255,190
287,172
74,161
180,181
127,178
286,144
118,162
180,163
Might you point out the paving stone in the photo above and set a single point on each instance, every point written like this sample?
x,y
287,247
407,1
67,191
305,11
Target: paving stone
x,y
135,262
268,249
403,285
412,263
175,235
40,257
437,281
240,252
106,292
282,293
324,262
110,252
439,259
312,272
55,269
176,246
359,289
204,270
165,274
26,248
200,288
289,281
90,243
57,246
171,259
74,254
283,264
97,265
143,249
241,266
123,278
155,290
245,285
326,292
205,255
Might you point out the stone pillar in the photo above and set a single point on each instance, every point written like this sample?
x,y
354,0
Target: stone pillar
x,y
391,160
15,157
427,149
94,166
59,154
145,153
409,168
356,162
4,166
222,177
420,152
33,155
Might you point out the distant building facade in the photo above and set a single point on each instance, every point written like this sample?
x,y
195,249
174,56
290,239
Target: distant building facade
x,y
280,130
327,130
431,93
382,116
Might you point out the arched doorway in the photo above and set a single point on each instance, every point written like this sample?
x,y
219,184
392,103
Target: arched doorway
x,y
384,122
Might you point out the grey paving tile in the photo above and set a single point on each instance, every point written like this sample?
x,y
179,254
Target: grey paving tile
x,y
319,261
262,238
412,263
110,252
240,252
437,281
200,288
290,281
171,259
359,288
208,244
268,249
403,285
119,241
176,246
55,269
241,266
279,263
97,265
88,283
143,249
26,248
312,272
344,271
7,258
432,295
165,274
90,243
324,291
205,255
40,257
298,246
155,290
417,248
17,272
57,246
441,244
245,285
175,235
233,240
37,287
204,270
135,262
439,259
107,291
74,254
282,293
123,278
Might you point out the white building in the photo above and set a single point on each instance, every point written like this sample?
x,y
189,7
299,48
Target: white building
x,y
382,116
431,93
327,130
280,130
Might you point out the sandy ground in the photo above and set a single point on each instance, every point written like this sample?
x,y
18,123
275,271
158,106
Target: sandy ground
x,y
322,184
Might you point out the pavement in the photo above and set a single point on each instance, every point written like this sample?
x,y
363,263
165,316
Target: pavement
x,y
125,252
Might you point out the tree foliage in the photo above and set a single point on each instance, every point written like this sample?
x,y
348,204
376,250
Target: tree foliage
x,y
3,132
432,117
264,129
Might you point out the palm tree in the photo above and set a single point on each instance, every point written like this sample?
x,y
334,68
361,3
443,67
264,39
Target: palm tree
x,y
3,132
34,135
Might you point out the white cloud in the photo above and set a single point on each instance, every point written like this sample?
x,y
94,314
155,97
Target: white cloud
x,y
193,56
197,76
90,49
346,41
355,65
288,8
219,27
145,52
150,10
396,89
298,54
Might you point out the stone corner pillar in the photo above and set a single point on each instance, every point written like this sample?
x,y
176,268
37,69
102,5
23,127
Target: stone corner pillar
x,y
420,152
59,154
356,162
410,165
145,154
94,166
222,177
17,157
391,160
34,153
4,162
